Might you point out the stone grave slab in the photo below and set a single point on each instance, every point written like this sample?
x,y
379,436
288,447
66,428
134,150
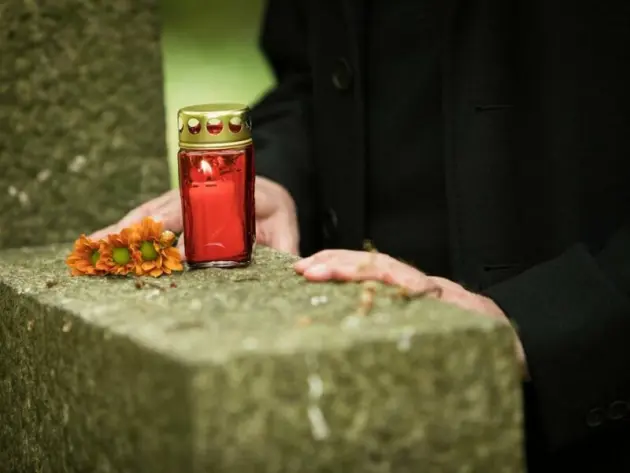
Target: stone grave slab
x,y
249,370
82,129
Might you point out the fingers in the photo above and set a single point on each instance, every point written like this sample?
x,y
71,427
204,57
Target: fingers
x,y
165,208
114,228
181,247
347,265
329,255
102,233
130,219
276,219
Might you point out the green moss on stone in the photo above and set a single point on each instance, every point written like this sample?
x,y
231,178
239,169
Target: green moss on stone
x,y
246,370
82,116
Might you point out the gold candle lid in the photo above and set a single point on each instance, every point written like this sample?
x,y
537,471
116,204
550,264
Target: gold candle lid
x,y
213,126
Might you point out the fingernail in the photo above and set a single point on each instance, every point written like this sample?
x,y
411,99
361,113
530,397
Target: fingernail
x,y
317,271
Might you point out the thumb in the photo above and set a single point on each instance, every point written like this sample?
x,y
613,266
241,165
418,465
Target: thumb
x,y
181,247
102,233
265,205
133,217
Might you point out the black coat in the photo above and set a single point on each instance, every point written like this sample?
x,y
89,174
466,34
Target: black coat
x,y
536,109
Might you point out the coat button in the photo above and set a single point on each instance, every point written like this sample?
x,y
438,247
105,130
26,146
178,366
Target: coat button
x,y
330,226
342,76
618,410
595,417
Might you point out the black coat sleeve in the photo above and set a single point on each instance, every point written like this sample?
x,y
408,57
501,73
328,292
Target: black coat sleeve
x,y
281,118
573,318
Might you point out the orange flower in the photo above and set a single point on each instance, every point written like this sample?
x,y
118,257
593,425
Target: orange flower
x,y
116,253
153,250
84,257
167,238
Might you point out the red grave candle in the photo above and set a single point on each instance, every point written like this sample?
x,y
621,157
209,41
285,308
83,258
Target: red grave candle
x,y
216,176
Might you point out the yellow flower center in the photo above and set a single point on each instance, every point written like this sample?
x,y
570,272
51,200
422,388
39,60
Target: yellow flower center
x,y
95,257
148,251
121,256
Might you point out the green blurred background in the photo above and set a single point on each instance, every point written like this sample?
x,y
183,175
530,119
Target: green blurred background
x,y
210,55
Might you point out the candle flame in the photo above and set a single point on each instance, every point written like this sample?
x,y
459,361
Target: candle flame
x,y
206,167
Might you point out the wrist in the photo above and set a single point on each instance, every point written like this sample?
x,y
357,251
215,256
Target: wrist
x,y
495,310
281,192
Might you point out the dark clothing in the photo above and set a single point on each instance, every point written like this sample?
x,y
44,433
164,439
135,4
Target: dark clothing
x,y
535,107
403,42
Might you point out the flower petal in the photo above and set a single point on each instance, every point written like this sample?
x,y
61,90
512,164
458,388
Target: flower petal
x,y
148,265
173,265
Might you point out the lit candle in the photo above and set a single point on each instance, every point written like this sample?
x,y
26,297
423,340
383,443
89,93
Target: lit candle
x,y
217,229
216,181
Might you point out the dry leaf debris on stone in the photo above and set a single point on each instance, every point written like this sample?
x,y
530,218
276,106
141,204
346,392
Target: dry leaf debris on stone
x,y
142,283
368,294
370,290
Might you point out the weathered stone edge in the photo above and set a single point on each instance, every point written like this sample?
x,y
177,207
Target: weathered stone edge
x,y
74,397
241,391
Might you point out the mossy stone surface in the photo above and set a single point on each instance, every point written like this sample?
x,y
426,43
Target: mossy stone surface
x,y
82,132
246,370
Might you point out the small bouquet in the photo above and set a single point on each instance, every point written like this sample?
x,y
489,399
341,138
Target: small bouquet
x,y
144,249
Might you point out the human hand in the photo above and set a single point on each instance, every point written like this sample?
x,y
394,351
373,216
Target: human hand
x,y
276,219
346,265
166,208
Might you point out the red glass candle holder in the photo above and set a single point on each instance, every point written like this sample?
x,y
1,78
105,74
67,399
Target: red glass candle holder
x,y
216,178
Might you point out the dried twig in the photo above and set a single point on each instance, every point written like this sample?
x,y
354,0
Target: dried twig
x,y
407,295
186,325
371,259
368,293
366,299
304,321
141,284
246,279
